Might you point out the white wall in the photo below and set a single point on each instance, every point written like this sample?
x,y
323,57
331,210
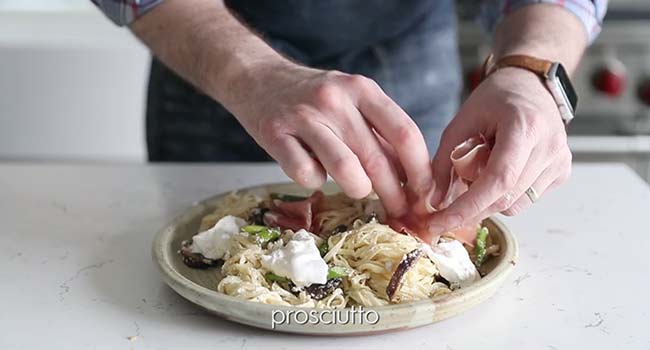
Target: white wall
x,y
72,84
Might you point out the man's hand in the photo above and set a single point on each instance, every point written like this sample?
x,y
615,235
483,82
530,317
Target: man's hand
x,y
311,121
514,109
315,122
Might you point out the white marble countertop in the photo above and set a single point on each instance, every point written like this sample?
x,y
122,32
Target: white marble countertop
x,y
76,271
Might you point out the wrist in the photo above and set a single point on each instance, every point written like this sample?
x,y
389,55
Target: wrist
x,y
519,81
541,30
552,75
518,78
237,77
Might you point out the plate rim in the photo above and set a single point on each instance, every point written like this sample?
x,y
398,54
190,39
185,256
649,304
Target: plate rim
x,y
175,279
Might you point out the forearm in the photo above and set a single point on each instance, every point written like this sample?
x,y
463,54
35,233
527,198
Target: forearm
x,y
204,43
542,30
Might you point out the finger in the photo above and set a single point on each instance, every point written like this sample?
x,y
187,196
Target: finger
x,y
535,178
378,167
296,162
550,178
339,161
506,163
537,164
390,152
396,127
454,134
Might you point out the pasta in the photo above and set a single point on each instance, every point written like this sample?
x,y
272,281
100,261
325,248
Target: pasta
x,y
373,251
362,255
233,204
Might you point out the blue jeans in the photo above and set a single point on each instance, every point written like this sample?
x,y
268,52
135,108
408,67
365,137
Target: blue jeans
x,y
413,57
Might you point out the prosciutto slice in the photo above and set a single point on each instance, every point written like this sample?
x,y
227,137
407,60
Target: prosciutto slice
x,y
294,215
468,160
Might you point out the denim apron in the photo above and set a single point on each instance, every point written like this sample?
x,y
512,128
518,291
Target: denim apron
x,y
408,47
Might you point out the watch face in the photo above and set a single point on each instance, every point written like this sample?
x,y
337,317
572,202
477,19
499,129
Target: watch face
x,y
567,88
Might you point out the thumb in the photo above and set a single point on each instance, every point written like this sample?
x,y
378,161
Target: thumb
x,y
454,134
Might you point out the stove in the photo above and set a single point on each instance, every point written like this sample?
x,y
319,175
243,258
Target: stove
x,y
613,83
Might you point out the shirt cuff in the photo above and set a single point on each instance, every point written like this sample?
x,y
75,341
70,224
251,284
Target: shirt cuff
x,y
124,12
590,12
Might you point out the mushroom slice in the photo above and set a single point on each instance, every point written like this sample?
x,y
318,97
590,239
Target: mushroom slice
x,y
320,291
195,260
338,229
256,215
408,261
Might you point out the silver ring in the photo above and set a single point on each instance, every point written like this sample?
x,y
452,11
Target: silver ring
x,y
532,194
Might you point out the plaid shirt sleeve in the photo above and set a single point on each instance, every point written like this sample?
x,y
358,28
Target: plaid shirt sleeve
x,y
590,12
123,12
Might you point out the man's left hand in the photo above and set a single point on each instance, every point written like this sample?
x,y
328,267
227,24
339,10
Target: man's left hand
x,y
514,110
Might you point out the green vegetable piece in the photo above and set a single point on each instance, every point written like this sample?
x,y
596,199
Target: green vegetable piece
x,y
287,197
253,229
275,278
481,245
262,234
323,248
337,271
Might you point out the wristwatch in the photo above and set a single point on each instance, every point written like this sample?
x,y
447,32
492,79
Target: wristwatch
x,y
553,75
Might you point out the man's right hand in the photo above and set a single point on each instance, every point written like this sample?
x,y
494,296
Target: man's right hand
x,y
311,121
315,122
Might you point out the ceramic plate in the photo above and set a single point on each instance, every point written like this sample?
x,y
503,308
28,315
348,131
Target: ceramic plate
x,y
198,286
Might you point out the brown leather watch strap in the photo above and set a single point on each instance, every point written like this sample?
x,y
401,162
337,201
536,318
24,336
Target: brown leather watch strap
x,y
536,65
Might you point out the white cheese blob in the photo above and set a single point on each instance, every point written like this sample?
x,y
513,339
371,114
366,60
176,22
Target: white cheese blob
x,y
453,261
213,242
299,260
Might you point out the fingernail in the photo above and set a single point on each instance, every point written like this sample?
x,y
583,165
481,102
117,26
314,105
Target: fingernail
x,y
429,195
453,220
436,198
401,211
436,229
437,195
396,211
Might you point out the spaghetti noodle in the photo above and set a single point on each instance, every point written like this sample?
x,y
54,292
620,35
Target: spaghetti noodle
x,y
365,258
